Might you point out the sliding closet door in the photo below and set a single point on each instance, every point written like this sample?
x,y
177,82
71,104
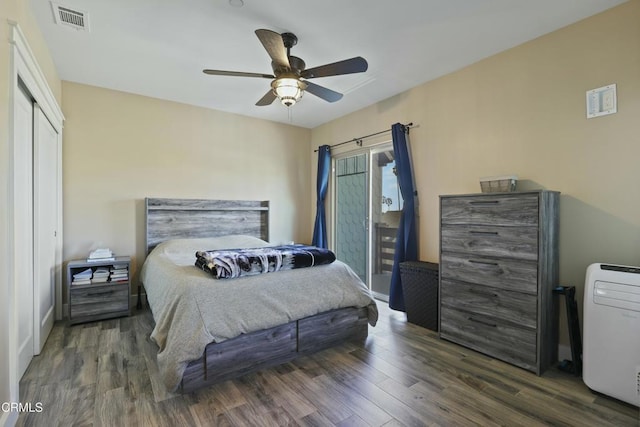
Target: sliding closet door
x,y
45,222
23,229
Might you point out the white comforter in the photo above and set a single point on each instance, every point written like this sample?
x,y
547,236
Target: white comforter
x,y
192,309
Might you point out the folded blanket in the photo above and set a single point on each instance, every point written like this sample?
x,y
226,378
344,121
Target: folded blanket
x,y
230,263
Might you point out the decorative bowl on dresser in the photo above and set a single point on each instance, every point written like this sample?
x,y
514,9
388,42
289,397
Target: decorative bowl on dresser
x,y
99,299
498,269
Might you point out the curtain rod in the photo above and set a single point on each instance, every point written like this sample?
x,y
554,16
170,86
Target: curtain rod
x,y
359,140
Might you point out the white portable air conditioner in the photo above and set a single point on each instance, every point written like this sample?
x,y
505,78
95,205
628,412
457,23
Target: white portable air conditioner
x,y
611,344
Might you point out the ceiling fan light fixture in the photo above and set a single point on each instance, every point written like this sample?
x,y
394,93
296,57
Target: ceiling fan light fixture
x,y
290,78
288,90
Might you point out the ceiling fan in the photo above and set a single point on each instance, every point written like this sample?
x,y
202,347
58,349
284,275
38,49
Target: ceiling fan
x,y
290,78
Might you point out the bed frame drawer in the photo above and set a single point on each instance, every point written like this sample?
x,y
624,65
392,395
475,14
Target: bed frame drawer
x,y
323,330
242,355
271,347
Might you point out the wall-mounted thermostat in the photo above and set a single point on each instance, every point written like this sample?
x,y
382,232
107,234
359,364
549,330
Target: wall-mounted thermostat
x,y
602,101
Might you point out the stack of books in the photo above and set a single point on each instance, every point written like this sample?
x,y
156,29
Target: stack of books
x,y
82,278
101,275
119,273
102,254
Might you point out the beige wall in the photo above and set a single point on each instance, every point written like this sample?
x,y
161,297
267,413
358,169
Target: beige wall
x,y
17,11
120,148
523,112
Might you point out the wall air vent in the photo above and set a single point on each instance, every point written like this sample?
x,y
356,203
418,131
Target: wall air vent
x,y
69,17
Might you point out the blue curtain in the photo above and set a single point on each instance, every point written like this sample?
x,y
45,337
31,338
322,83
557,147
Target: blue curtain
x,y
406,240
320,227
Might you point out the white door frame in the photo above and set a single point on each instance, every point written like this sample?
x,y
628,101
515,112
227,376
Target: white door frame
x,y
23,66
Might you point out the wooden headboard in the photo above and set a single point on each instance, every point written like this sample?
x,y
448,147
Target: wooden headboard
x,y
191,218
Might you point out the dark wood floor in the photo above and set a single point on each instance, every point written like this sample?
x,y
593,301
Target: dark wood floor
x,y
104,373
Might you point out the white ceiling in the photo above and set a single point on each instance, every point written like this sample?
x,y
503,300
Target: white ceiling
x,y
158,48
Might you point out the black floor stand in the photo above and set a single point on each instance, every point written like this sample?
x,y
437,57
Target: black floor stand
x,y
572,366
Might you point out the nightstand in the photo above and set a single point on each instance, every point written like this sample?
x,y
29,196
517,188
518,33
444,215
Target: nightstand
x,y
98,298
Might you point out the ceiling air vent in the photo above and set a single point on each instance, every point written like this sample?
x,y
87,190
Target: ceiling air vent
x,y
73,18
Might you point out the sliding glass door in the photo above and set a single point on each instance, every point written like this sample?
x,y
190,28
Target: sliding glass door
x,y
367,205
351,197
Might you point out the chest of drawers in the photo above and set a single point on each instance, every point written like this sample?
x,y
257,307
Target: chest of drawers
x,y
498,268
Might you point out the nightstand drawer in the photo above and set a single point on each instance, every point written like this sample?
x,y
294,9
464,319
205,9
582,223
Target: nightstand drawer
x,y
514,307
511,210
486,240
512,275
490,336
96,300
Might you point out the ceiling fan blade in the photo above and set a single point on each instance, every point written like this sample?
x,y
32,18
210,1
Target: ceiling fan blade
x,y
267,99
322,92
348,66
274,45
237,74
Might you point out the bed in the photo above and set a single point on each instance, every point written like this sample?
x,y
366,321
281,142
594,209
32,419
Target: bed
x,y
210,330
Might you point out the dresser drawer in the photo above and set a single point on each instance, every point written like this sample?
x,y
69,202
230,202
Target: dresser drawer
x,y
98,300
486,240
510,210
490,336
512,275
515,307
